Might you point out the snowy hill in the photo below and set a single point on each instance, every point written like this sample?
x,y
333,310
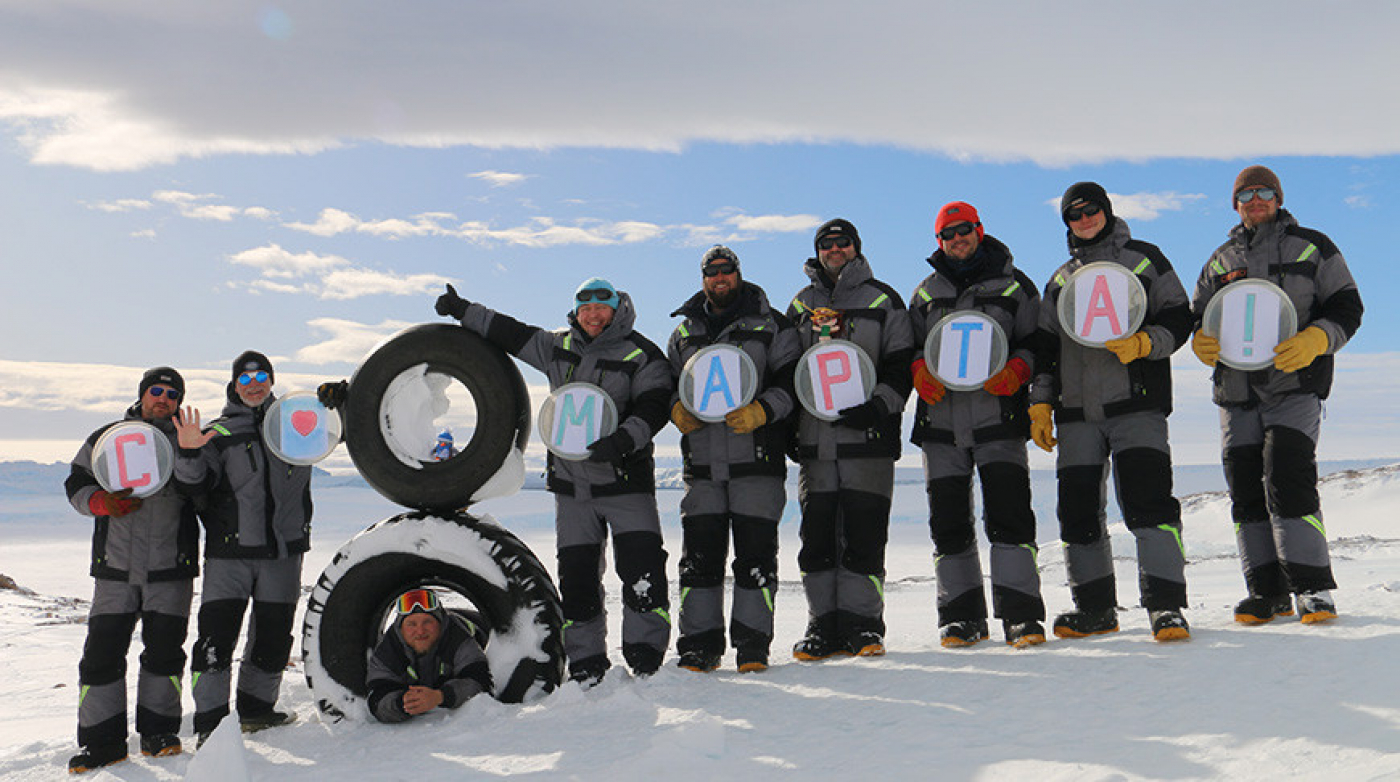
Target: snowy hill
x,y
1278,701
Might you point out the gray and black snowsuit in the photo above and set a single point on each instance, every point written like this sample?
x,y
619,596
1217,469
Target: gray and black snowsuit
x,y
975,428
847,474
1270,420
734,482
144,565
455,665
1106,410
256,511
592,497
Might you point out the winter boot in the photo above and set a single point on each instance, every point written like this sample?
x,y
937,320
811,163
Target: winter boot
x,y
955,635
96,757
1316,607
866,643
752,660
589,672
1256,610
1023,635
698,661
1078,624
161,745
818,647
1169,625
268,719
643,660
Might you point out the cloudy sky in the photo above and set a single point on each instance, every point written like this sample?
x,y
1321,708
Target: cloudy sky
x,y
182,181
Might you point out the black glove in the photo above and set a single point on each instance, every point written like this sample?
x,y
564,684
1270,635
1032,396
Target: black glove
x,y
332,395
611,448
451,304
864,416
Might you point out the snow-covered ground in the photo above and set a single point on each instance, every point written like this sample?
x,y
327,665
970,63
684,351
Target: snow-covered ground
x,y
1282,701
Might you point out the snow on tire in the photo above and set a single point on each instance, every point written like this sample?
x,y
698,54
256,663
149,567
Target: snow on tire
x,y
492,459
471,556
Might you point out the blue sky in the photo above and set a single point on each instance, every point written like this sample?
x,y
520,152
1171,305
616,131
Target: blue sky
x,y
181,183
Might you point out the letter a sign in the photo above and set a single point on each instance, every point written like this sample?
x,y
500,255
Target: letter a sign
x,y
716,380
1100,302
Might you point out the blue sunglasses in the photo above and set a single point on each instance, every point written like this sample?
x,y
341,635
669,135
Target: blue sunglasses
x,y
248,377
170,392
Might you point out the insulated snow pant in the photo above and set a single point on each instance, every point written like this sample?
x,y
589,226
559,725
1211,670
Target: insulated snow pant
x,y
845,527
163,609
749,508
1009,522
581,529
274,585
1270,459
1142,476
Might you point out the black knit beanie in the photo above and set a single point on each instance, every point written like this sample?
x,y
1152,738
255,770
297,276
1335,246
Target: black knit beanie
x,y
162,376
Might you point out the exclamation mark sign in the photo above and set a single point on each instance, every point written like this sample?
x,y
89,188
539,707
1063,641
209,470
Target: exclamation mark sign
x,y
1246,349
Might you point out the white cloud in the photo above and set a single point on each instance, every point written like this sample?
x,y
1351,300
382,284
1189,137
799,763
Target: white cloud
x,y
355,283
336,221
1144,206
121,205
88,83
273,261
775,223
348,341
1359,201
334,277
499,178
195,207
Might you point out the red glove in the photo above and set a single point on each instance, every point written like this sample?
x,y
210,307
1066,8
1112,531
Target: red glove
x,y
927,386
1009,379
116,505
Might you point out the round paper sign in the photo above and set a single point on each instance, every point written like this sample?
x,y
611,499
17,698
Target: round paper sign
x,y
133,455
716,380
1101,302
832,376
1250,318
965,348
298,429
575,416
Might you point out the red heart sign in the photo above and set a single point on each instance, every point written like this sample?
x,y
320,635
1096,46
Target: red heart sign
x,y
304,421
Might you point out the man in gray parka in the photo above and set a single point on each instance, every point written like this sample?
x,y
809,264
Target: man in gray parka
x,y
734,468
145,556
1270,418
985,428
615,487
847,465
256,510
1112,402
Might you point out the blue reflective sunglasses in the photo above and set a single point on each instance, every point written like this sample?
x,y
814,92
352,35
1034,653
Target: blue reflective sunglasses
x,y
169,392
248,377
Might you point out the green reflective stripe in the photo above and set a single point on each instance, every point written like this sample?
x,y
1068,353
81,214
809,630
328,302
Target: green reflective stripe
x,y
1059,279
760,328
1312,248
82,694
661,612
879,587
797,305
412,674
194,679
1217,266
1317,524
1035,552
684,591
1176,533
220,429
768,598
881,300
1142,267
175,682
632,355
923,294
1012,288
1237,528
684,332
568,341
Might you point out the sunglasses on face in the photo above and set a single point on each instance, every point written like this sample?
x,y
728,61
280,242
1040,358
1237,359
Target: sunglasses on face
x,y
1264,193
417,600
961,229
828,242
249,377
173,394
599,294
716,269
1088,210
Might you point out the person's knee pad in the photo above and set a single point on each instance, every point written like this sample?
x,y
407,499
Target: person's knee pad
x,y
272,636
755,553
163,637
706,549
867,531
1290,464
1006,495
580,584
219,624
950,513
1080,499
104,652
641,564
1244,474
1144,477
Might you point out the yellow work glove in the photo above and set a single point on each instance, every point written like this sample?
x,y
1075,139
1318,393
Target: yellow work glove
x,y
747,418
1207,349
1300,350
684,420
1130,348
1043,426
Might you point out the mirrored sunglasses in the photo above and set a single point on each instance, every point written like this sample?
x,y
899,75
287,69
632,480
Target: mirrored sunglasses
x,y
961,229
1087,210
417,600
716,269
592,294
1264,193
249,377
172,393
828,242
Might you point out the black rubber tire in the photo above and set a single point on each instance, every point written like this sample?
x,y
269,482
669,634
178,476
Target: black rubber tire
x,y
502,406
348,606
